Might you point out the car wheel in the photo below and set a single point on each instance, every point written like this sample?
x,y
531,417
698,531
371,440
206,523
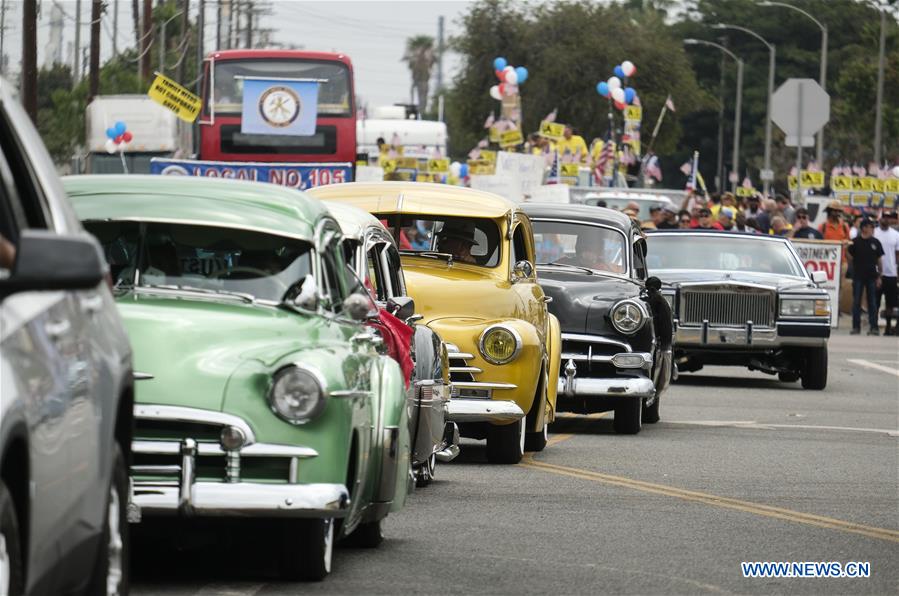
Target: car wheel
x,y
110,575
788,377
425,472
536,441
307,546
505,444
628,417
814,369
10,546
367,535
651,413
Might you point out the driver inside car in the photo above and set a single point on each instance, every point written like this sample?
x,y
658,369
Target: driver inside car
x,y
457,239
591,253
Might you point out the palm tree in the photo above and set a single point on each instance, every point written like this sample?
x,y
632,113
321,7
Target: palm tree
x,y
420,56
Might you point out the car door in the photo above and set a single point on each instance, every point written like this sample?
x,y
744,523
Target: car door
x,y
531,295
661,356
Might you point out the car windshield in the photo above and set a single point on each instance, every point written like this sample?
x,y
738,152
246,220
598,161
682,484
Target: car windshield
x,y
580,245
720,252
333,91
619,203
210,258
465,239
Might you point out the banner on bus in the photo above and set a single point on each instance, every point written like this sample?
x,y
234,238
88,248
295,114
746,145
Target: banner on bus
x,y
291,175
274,106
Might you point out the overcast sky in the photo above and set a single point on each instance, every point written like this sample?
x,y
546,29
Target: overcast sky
x,y
372,33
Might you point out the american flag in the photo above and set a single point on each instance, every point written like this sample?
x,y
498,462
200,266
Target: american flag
x,y
627,155
490,120
605,157
653,169
669,104
691,169
551,117
686,168
553,177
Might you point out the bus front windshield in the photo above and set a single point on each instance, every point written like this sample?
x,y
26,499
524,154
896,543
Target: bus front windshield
x,y
334,98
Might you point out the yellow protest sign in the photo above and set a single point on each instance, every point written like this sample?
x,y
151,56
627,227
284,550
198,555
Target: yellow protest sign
x,y
841,182
407,163
552,130
863,184
174,97
809,180
891,185
480,166
860,199
742,191
889,201
878,184
569,170
438,165
844,198
424,177
633,113
488,156
511,138
389,165
493,134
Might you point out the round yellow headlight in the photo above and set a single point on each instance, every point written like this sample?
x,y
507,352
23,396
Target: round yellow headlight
x,y
499,345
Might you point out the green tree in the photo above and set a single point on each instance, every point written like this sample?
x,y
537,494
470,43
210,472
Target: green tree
x,y
420,56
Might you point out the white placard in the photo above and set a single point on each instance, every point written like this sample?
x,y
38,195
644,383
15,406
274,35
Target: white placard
x,y
369,174
503,185
526,169
550,193
826,256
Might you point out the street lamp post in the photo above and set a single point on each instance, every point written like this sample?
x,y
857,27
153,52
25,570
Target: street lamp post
x,y
822,77
767,174
738,109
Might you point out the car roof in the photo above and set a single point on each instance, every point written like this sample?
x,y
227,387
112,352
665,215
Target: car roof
x,y
610,194
353,221
730,233
200,201
579,212
419,198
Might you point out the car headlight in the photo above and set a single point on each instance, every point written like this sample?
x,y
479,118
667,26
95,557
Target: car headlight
x,y
297,394
499,344
627,316
805,307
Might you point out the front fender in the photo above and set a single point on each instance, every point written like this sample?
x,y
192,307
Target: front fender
x,y
554,353
391,453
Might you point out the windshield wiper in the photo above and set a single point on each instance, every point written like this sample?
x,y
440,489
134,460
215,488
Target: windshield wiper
x,y
248,298
567,265
431,254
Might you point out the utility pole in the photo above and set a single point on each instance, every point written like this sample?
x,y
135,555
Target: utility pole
x,y
29,58
76,67
440,49
719,171
94,81
249,13
135,13
115,28
201,23
145,41
185,35
218,25
2,35
878,110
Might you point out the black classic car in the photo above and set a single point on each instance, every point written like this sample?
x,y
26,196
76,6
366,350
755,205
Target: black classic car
x,y
745,300
616,325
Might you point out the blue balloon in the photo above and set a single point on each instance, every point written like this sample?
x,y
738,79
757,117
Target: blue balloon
x,y
463,170
522,73
120,128
618,72
602,88
499,63
110,132
629,95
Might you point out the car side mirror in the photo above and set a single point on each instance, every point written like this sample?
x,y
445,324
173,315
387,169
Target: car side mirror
x,y
360,307
49,261
522,270
402,307
653,284
819,277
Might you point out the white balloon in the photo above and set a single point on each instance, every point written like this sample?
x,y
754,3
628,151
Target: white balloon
x,y
511,77
494,92
618,94
455,169
896,171
614,83
508,68
111,146
628,67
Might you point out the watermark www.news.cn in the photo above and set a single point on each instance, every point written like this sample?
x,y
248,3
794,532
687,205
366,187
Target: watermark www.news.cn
x,y
806,569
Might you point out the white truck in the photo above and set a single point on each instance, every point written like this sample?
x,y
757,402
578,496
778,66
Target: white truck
x,y
419,138
156,132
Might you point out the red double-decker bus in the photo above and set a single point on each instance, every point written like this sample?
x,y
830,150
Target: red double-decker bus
x,y
334,140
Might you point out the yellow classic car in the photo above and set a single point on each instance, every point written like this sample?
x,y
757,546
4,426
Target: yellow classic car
x,y
468,258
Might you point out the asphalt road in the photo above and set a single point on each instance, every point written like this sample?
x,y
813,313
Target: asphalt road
x,y
741,468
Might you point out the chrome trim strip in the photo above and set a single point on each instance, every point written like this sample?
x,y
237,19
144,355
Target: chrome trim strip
x,y
597,339
460,355
156,470
483,410
465,369
147,447
483,385
181,414
351,393
142,376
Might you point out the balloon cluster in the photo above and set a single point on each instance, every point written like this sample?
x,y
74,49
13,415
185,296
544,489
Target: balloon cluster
x,y
510,77
117,136
614,88
459,170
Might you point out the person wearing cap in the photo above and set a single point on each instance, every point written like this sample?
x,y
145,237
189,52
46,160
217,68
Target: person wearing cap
x,y
834,228
867,266
726,218
705,221
784,208
669,218
656,216
457,238
889,240
802,229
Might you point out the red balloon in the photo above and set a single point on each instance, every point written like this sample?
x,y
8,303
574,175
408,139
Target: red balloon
x,y
620,105
127,137
502,89
499,74
118,139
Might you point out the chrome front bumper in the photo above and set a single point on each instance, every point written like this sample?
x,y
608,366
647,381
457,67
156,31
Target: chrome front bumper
x,y
483,410
748,336
623,387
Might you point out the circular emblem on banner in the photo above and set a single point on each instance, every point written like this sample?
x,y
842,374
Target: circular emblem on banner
x,y
174,170
279,106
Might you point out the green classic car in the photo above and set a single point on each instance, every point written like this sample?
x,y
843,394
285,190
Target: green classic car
x,y
261,393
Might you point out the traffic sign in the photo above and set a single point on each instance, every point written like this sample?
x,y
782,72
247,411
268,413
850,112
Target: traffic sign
x,y
800,107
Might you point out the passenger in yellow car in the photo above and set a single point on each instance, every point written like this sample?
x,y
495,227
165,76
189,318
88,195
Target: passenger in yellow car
x,y
457,239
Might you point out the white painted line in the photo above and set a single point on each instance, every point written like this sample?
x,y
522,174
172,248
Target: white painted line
x,y
874,366
751,424
235,589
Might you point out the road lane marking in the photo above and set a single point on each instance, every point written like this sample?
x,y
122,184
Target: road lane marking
x,y
236,589
716,501
753,425
874,366
553,440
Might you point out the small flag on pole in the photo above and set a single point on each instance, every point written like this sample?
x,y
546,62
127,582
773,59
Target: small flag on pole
x,y
669,104
553,177
653,169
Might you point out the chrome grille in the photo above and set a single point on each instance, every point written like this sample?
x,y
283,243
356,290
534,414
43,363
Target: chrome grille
x,y
728,307
591,354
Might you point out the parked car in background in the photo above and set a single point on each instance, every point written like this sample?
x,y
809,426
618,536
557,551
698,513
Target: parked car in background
x,y
468,259
66,386
371,252
743,300
616,326
262,393
618,200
